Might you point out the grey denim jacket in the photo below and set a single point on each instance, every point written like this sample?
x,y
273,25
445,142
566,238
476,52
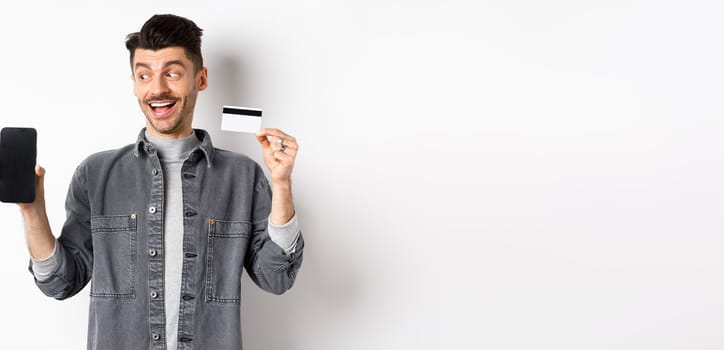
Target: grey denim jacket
x,y
113,237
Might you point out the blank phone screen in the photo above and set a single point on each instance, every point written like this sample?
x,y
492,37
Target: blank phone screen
x,y
17,165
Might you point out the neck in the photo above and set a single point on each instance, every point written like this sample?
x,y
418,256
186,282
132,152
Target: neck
x,y
173,134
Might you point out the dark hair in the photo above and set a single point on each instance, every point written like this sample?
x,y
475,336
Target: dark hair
x,y
162,31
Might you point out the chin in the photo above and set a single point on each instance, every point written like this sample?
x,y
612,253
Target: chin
x,y
163,127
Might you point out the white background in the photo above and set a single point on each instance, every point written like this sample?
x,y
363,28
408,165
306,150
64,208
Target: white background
x,y
472,175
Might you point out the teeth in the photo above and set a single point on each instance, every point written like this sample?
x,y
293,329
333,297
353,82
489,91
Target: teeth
x,y
160,104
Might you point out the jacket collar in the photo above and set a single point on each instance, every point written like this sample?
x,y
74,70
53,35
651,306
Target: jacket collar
x,y
143,145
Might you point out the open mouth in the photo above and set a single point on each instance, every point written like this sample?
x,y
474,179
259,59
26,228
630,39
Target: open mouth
x,y
161,108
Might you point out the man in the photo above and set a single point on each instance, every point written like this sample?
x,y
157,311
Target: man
x,y
162,228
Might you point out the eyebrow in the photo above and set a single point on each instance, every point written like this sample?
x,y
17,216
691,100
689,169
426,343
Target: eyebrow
x,y
167,64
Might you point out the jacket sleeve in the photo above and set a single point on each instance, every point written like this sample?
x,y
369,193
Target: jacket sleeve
x,y
76,248
267,264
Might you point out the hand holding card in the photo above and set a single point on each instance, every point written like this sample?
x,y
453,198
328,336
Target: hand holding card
x,y
280,151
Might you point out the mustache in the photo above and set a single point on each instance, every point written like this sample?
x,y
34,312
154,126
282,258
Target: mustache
x,y
162,97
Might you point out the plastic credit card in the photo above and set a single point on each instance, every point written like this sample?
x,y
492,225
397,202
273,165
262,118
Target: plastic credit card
x,y
241,119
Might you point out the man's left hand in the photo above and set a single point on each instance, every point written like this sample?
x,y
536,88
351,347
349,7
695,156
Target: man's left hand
x,y
280,151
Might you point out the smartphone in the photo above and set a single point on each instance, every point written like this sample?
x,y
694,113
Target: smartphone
x,y
17,165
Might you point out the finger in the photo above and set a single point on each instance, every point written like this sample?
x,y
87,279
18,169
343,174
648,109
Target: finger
x,y
290,143
275,133
286,160
289,140
262,139
39,175
290,151
284,146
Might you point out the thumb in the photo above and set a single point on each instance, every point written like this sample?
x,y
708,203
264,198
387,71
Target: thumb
x,y
39,177
263,141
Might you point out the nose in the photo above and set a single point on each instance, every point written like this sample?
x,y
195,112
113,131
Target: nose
x,y
159,86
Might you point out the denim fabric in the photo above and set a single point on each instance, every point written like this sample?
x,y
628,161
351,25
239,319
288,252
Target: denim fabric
x,y
113,237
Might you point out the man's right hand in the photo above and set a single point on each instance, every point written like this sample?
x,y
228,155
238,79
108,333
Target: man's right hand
x,y
41,241
39,202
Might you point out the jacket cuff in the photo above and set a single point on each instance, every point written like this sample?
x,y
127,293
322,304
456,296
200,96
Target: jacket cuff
x,y
43,269
285,236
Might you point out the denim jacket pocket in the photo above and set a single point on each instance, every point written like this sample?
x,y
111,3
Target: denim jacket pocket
x,y
114,256
225,260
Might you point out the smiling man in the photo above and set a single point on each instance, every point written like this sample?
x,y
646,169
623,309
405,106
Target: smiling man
x,y
164,227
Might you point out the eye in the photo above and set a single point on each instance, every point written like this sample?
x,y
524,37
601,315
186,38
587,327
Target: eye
x,y
143,76
172,75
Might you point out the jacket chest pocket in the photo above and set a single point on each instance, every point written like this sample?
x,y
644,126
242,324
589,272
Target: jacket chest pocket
x,y
227,245
114,256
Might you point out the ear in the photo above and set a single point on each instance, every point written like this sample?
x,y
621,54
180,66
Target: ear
x,y
202,79
133,80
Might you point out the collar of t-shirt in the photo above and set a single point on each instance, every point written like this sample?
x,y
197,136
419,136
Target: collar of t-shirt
x,y
174,150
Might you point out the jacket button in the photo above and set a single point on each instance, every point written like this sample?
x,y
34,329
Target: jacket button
x,y
154,171
154,295
133,216
152,210
152,252
155,336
